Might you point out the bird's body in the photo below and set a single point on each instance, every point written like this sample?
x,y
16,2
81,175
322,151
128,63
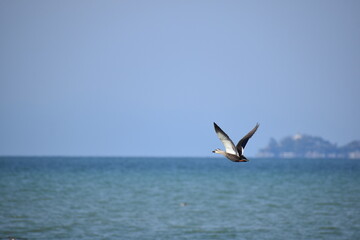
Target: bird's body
x,y
232,152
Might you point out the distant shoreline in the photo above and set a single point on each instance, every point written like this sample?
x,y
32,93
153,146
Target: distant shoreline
x,y
306,146
159,157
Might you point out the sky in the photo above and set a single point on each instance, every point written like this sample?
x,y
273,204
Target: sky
x,y
149,78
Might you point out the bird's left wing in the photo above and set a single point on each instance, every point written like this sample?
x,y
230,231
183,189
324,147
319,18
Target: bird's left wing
x,y
224,138
242,143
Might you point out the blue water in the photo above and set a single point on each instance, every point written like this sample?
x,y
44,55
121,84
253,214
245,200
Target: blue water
x,y
179,198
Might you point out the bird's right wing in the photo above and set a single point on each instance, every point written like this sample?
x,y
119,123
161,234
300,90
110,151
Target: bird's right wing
x,y
224,138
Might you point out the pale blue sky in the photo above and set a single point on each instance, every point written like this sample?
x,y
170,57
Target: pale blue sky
x,y
148,78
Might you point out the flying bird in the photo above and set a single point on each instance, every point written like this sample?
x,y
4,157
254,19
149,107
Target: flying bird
x,y
233,153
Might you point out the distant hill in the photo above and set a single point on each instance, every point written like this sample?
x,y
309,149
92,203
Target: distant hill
x,y
306,146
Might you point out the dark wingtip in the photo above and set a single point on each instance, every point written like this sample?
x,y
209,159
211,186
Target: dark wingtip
x,y
216,126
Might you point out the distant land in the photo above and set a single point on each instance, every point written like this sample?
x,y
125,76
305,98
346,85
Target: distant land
x,y
306,146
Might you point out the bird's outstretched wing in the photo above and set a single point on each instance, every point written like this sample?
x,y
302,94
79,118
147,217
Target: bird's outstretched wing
x,y
242,143
224,138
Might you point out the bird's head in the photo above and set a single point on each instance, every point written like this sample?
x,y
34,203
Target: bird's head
x,y
217,151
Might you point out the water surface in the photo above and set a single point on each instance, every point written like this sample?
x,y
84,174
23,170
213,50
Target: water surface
x,y
179,198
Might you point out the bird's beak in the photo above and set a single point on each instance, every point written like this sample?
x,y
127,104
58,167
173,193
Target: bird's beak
x,y
213,151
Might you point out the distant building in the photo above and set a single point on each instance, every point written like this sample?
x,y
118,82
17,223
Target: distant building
x,y
354,155
288,155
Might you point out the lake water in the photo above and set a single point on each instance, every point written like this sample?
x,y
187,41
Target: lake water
x,y
179,198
